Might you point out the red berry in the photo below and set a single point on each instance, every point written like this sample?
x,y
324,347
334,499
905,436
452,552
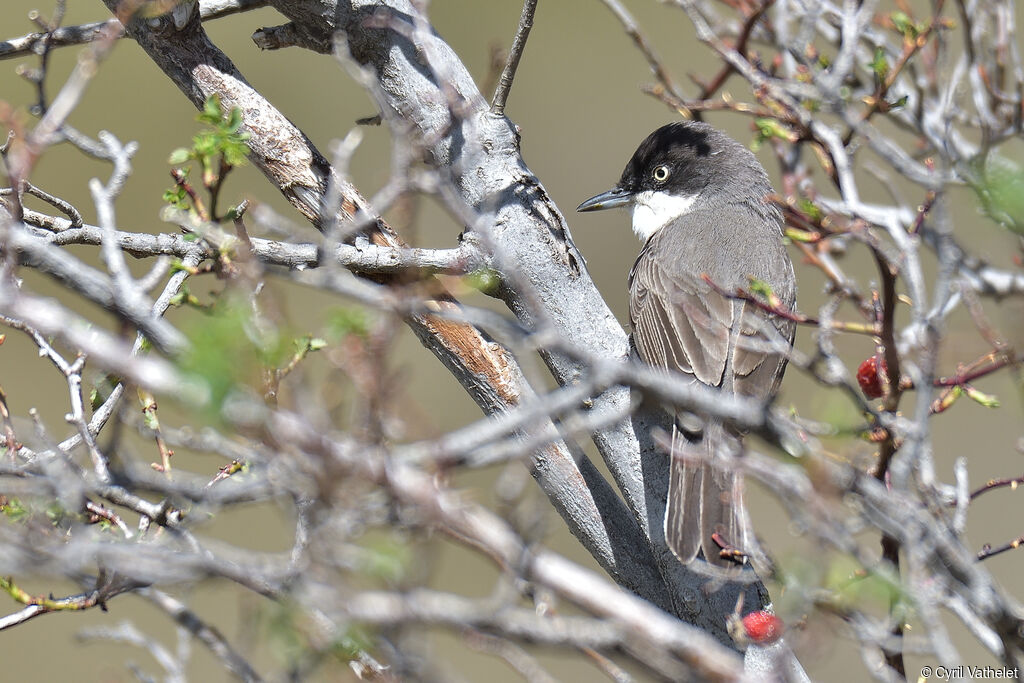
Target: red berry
x,y
762,627
868,378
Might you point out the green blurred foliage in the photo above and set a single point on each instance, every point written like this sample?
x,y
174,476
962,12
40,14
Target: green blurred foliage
x,y
841,582
234,349
284,627
15,509
101,389
231,349
342,322
388,559
855,587
22,510
999,186
879,65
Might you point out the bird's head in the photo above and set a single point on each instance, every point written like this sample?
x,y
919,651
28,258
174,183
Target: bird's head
x,y
679,167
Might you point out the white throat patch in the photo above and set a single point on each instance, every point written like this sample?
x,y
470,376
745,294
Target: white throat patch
x,y
652,210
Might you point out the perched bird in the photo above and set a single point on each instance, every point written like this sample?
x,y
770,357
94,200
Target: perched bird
x,y
700,204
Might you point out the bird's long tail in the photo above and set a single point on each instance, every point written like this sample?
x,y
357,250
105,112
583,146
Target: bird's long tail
x,y
705,495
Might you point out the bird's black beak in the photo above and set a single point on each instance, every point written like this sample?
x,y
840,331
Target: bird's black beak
x,y
607,200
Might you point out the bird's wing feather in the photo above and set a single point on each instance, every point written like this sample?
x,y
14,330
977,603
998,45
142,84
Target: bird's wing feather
x,y
679,324
757,371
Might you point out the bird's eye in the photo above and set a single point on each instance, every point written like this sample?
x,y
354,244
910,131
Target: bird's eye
x,y
660,173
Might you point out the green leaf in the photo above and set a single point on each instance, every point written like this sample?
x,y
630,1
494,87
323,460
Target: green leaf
x,y
102,389
987,400
185,297
179,156
236,150
151,420
212,112
904,25
761,287
802,235
234,121
178,265
484,280
768,128
999,186
949,398
880,65
177,197
234,212
810,209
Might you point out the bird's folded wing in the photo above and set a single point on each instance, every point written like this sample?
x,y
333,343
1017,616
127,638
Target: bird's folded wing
x,y
679,323
682,324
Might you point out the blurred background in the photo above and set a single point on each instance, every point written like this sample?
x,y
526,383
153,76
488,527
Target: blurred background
x,y
578,102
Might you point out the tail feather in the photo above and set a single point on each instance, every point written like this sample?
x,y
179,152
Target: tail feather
x,y
705,495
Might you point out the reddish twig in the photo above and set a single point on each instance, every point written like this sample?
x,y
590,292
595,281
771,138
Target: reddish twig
x,y
993,484
988,551
687,107
181,180
776,308
97,512
995,363
922,211
890,372
741,47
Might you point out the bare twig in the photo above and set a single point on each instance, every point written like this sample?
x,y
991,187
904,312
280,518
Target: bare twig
x,y
515,53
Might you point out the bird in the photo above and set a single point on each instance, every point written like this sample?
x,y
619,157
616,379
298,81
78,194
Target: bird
x,y
701,205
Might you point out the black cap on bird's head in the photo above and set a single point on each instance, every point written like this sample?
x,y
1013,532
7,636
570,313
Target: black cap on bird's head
x,y
683,158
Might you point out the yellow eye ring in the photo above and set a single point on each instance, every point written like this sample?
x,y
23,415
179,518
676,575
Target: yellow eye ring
x,y
660,173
